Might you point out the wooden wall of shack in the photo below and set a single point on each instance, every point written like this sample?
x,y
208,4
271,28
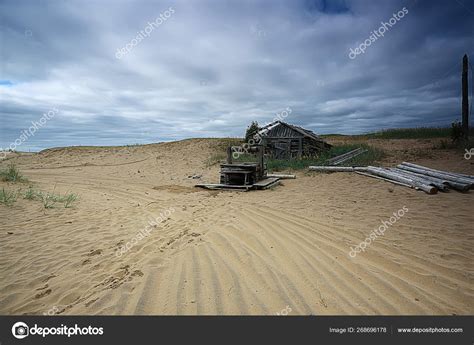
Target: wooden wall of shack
x,y
284,142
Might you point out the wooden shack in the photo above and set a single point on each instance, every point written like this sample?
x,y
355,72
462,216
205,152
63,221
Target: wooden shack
x,y
285,141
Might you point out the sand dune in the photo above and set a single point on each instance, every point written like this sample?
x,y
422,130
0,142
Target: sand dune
x,y
229,252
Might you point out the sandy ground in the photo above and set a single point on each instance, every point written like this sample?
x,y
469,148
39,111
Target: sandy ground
x,y
231,252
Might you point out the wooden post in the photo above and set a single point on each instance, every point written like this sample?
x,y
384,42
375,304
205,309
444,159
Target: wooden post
x,y
229,155
465,101
300,148
261,162
289,149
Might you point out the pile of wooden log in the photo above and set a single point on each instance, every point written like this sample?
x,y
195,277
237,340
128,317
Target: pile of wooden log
x,y
346,156
411,175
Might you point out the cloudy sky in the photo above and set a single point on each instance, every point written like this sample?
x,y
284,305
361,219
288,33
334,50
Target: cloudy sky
x,y
208,68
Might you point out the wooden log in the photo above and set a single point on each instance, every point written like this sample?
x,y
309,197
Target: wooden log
x,y
384,179
423,179
349,157
333,160
441,172
438,175
394,176
465,98
469,177
282,176
457,186
325,168
343,155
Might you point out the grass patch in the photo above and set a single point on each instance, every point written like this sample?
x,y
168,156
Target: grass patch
x,y
50,200
447,144
47,200
69,199
30,194
7,197
12,174
414,133
368,158
220,150
215,159
245,157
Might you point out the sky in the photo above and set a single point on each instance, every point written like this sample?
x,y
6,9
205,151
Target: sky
x,y
209,68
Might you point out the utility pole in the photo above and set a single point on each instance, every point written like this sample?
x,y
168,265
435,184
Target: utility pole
x,y
465,101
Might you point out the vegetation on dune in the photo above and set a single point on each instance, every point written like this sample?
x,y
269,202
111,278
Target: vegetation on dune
x,y
368,158
49,200
7,197
220,150
12,174
215,158
409,133
417,133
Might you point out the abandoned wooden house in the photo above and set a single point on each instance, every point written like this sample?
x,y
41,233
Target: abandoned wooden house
x,y
283,141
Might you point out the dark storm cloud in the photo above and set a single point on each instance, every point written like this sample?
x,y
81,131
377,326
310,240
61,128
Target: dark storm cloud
x,y
214,66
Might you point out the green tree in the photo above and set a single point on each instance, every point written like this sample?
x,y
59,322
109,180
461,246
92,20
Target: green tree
x,y
251,131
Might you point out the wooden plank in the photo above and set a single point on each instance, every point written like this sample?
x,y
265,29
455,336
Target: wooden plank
x,y
244,165
325,168
282,176
271,184
223,186
236,171
267,183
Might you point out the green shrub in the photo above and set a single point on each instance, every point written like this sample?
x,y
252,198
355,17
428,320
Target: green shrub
x,y
251,131
12,174
368,158
7,197
69,199
456,132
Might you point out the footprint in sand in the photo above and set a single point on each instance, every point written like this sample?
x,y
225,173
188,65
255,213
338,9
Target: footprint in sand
x,y
42,294
95,252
